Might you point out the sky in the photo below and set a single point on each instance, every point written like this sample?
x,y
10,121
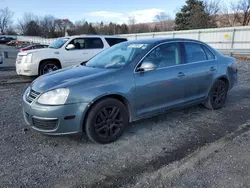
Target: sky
x,y
96,10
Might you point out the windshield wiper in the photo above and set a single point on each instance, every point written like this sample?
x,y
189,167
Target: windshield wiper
x,y
83,63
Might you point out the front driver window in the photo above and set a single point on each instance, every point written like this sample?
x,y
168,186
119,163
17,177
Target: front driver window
x,y
79,43
87,43
165,55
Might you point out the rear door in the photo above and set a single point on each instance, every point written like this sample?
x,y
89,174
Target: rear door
x,y
92,46
200,70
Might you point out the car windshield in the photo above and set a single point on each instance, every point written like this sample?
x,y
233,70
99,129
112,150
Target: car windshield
x,y
118,55
59,43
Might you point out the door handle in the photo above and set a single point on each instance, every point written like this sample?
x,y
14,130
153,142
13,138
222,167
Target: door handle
x,y
84,53
212,69
181,74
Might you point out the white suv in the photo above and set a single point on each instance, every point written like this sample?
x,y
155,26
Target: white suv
x,y
64,52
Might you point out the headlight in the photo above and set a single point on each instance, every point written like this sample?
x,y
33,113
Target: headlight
x,y
54,97
27,58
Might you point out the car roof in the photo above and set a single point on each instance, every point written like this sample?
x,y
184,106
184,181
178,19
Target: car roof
x,y
161,40
89,36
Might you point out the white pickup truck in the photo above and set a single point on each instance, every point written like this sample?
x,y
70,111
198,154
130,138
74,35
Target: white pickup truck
x,y
64,52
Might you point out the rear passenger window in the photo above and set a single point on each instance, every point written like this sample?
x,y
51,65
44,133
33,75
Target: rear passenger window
x,y
209,54
113,41
93,43
194,52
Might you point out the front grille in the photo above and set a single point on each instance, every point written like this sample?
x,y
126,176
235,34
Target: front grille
x,y
19,59
32,96
45,124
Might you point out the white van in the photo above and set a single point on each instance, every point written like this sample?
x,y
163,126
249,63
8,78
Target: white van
x,y
64,52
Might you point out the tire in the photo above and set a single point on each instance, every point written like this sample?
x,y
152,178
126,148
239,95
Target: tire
x,y
217,95
48,66
106,121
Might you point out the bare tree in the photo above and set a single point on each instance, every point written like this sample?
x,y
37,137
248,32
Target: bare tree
x,y
5,19
214,9
241,12
162,18
227,17
27,23
48,26
131,24
63,25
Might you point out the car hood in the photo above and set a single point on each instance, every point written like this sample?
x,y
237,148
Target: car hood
x,y
37,50
63,77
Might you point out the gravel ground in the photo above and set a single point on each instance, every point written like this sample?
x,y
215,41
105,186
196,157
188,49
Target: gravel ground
x,y
224,163
29,159
228,168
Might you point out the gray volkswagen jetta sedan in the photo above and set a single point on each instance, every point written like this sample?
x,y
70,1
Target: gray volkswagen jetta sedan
x,y
129,81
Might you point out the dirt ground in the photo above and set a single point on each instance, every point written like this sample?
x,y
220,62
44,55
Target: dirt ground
x,y
147,149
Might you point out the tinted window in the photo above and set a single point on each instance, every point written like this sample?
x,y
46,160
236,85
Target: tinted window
x,y
87,43
165,55
93,43
79,43
194,52
113,41
209,54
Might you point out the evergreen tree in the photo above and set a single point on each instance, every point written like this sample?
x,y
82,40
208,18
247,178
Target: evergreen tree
x,y
91,29
124,29
193,16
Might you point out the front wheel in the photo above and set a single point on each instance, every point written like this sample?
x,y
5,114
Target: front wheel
x,y
217,96
47,67
106,121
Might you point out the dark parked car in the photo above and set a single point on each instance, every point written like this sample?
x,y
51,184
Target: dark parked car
x,y
33,46
4,40
129,81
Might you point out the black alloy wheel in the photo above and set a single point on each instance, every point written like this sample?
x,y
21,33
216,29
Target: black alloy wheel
x,y
218,95
106,121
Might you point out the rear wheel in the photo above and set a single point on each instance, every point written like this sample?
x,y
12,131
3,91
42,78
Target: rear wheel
x,y
48,66
217,96
106,121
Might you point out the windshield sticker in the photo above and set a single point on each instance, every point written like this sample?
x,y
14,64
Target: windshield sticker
x,y
137,46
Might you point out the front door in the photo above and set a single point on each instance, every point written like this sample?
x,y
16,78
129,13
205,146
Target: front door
x,y
84,49
162,88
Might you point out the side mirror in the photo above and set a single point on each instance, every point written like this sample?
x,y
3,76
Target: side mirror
x,y
147,66
70,47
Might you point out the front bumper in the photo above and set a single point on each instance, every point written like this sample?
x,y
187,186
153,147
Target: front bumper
x,y
54,120
27,69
